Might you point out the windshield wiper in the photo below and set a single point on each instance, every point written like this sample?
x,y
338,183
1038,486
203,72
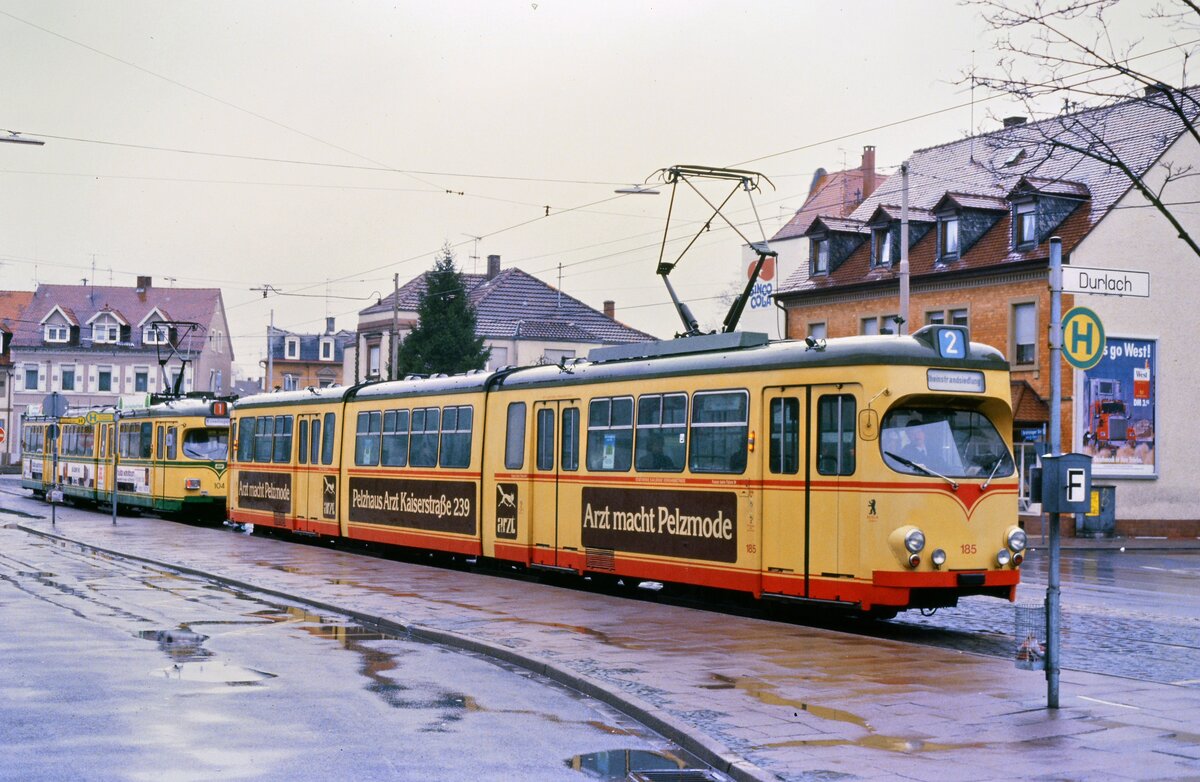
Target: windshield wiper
x,y
922,468
995,470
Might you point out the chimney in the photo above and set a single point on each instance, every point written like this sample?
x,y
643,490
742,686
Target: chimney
x,y
868,171
329,325
610,309
1012,122
493,266
143,284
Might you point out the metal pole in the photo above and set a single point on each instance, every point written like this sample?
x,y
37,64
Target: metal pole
x,y
116,438
269,383
1052,581
902,326
394,343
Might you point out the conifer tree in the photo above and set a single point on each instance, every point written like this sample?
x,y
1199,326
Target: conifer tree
x,y
443,340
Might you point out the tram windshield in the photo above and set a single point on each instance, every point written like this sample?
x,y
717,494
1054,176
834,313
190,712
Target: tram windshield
x,y
207,444
944,442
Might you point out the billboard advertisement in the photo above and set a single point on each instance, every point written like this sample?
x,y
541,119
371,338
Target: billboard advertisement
x,y
1118,409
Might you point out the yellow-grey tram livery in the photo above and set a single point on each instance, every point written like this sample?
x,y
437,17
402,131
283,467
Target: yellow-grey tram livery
x,y
873,473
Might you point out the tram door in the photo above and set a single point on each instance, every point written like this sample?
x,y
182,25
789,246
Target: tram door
x,y
555,457
307,489
809,452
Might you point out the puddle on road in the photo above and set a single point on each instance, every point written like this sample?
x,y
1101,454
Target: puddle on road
x,y
213,672
618,764
181,644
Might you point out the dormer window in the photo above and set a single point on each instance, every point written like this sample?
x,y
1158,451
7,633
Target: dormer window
x,y
1025,224
291,347
106,330
948,238
58,332
155,335
326,349
820,256
881,246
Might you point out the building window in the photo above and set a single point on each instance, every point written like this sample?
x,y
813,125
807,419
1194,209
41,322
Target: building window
x,y
155,335
215,340
57,332
291,348
1025,224
820,256
325,379
878,324
881,242
104,380
817,330
31,378
954,317
106,330
327,349
1024,334
948,238
290,382
551,356
373,360
141,381
68,378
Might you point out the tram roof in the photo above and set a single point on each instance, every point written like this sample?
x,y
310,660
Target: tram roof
x,y
673,358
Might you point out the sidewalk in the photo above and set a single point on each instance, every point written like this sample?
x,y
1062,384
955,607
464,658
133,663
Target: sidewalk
x,y
758,699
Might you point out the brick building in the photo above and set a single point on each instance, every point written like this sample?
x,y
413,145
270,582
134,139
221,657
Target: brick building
x,y
981,213
308,360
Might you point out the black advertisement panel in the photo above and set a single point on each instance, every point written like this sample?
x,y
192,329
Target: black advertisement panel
x,y
692,525
432,506
506,511
269,491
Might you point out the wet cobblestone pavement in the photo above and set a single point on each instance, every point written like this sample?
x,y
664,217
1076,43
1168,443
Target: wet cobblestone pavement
x,y
771,700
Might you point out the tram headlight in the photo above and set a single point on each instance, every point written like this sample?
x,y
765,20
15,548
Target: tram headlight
x,y
914,541
1003,557
938,557
1016,539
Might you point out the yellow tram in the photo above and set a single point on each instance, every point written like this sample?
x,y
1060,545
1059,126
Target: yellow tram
x,y
171,456
873,473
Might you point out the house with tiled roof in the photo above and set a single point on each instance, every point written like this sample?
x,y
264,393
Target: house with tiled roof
x,y
830,195
96,344
522,320
981,213
11,305
307,360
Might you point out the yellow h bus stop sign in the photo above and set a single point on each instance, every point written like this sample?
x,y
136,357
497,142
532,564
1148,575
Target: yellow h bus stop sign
x,y
1083,338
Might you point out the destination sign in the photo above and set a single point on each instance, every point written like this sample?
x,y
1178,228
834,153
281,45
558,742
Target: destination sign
x,y
1106,282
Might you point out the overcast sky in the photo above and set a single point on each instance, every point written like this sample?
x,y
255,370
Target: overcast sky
x,y
321,147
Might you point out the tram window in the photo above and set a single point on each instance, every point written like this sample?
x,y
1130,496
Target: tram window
x,y
514,439
366,440
330,430
89,440
283,438
302,446
158,451
423,442
610,434
456,436
314,451
785,436
395,438
661,433
569,456
719,431
145,440
172,443
953,443
835,434
263,434
245,443
545,439
207,444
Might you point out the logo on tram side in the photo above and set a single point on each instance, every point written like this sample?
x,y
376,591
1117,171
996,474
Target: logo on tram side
x,y
691,525
434,506
506,511
267,491
329,496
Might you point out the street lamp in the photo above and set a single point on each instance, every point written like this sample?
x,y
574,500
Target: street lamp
x,y
16,138
636,190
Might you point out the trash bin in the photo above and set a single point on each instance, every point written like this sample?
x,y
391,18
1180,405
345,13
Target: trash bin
x,y
1031,636
1102,521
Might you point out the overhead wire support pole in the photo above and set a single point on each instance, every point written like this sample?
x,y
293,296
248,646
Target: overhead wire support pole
x,y
1053,587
